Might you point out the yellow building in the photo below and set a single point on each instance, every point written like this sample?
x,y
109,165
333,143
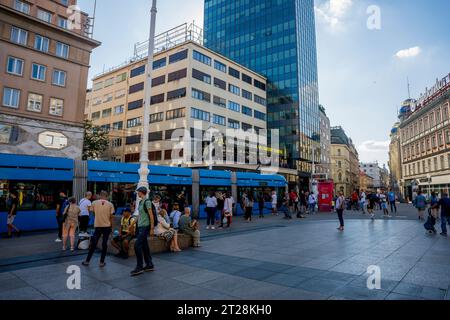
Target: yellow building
x,y
365,182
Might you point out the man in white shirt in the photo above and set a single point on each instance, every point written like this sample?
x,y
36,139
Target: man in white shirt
x,y
312,203
211,205
85,207
274,203
362,201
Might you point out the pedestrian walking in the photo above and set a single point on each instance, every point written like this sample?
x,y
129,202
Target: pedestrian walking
x,y
392,200
85,205
103,211
354,200
211,208
60,207
71,216
261,204
371,205
444,204
220,204
285,206
274,203
145,223
12,213
340,205
303,203
420,202
248,205
362,201
433,205
312,203
383,201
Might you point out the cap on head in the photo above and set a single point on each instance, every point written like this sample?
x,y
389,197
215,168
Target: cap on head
x,y
142,190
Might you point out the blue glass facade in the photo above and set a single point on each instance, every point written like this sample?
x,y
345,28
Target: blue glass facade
x,y
277,39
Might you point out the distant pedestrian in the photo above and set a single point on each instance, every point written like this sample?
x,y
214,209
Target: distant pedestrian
x,y
12,213
312,203
371,204
420,202
248,204
392,200
303,202
383,201
70,219
433,204
220,204
444,204
227,212
211,208
61,205
103,211
274,203
340,205
261,204
85,207
146,223
285,208
362,201
354,200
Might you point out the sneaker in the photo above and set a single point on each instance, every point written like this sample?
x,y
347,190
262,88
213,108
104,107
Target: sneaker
x,y
149,268
58,240
213,228
443,234
207,227
136,272
85,263
102,264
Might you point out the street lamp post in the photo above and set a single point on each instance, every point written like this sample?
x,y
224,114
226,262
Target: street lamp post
x,y
143,170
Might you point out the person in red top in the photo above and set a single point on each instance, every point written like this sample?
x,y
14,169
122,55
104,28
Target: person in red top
x,y
355,199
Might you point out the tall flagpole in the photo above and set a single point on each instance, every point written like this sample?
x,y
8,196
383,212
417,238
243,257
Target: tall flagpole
x,y
143,170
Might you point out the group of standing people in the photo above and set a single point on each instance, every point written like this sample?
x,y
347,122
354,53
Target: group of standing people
x,y
433,203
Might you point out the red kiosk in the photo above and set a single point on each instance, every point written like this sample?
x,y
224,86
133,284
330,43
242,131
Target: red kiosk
x,y
326,189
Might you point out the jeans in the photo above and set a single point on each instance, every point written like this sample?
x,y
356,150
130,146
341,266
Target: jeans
x,y
444,221
261,210
312,207
99,232
84,222
248,213
340,213
210,215
393,207
141,248
59,220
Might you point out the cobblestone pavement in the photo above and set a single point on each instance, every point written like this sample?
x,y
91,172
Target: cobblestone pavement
x,y
269,258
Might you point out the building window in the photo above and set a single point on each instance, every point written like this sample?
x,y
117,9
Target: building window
x,y
438,116
247,111
137,71
169,134
246,78
175,114
260,100
38,72
201,58
155,136
435,160
116,142
155,155
11,97
440,139
136,88
219,120
108,97
234,73
176,94
447,136
178,56
135,122
158,81
442,162
233,124
62,22
95,115
200,114
106,128
233,89
19,36
133,140
8,134
97,86
44,15
34,102
59,78
22,6
41,43
15,66
247,95
117,125
106,113
201,95
246,126
259,85
135,104
159,98
52,140
56,107
220,66
234,106
196,74
220,84
260,115
177,75
157,117
62,50
121,77
218,101
433,142
120,93
118,110
109,82
159,63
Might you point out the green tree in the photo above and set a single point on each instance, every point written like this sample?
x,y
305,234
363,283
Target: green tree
x,y
96,141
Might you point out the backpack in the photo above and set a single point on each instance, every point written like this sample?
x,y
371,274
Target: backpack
x,y
64,205
420,202
155,215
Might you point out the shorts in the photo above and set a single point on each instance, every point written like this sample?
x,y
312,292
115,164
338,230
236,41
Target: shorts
x,y
167,235
119,240
10,219
274,205
384,205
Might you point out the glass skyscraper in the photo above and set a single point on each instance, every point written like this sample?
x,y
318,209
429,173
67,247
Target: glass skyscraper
x,y
277,39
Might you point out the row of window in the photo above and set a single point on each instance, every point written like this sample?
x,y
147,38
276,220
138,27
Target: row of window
x,y
152,137
152,156
42,14
35,102
421,167
199,114
426,122
109,82
41,43
158,117
15,66
419,148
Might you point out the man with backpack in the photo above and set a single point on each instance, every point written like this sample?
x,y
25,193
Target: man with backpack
x,y
60,207
420,202
146,223
444,204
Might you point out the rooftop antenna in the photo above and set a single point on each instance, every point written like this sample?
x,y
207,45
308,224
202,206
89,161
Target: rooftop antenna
x,y
409,88
93,17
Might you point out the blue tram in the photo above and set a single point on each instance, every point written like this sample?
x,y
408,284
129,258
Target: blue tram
x,y
39,180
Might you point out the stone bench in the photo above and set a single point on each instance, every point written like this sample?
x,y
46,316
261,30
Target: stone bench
x,y
156,244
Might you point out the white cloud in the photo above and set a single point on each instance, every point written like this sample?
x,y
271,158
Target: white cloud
x,y
371,151
333,11
408,53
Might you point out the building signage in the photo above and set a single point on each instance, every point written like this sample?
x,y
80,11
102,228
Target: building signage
x,y
433,92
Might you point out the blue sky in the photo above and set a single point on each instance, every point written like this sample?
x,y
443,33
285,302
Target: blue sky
x,y
362,72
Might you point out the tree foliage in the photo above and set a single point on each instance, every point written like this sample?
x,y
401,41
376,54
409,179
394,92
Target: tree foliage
x,y
96,141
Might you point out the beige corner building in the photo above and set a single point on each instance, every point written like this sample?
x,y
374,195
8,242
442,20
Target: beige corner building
x,y
45,48
344,162
192,89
